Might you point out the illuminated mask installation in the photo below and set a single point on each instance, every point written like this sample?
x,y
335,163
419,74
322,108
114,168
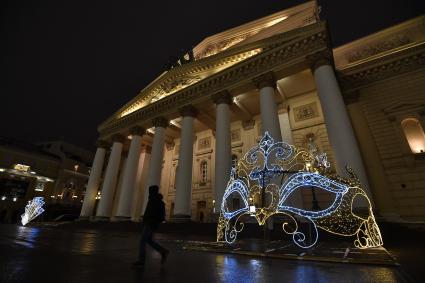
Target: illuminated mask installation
x,y
268,164
32,210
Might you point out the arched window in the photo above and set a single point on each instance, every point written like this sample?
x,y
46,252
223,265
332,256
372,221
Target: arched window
x,y
414,134
204,171
234,160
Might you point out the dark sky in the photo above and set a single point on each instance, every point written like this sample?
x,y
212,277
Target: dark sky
x,y
68,65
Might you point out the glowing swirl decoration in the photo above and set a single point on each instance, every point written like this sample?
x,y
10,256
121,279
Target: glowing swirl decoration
x,y
32,210
270,173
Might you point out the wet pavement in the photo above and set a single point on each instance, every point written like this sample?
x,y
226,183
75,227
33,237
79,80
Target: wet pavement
x,y
43,254
324,251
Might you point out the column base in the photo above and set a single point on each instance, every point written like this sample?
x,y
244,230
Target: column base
x,y
120,218
83,218
180,218
102,218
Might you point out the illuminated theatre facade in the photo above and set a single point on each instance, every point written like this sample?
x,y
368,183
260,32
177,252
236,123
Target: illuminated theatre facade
x,y
362,104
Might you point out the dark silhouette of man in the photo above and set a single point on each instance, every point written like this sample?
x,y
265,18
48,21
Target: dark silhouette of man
x,y
153,216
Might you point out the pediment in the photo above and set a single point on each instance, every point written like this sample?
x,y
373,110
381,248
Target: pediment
x,y
181,77
186,75
220,52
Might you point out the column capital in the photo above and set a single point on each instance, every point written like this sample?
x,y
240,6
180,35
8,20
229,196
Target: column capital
x,y
160,122
103,144
188,110
321,58
283,107
265,80
222,97
147,148
137,130
118,138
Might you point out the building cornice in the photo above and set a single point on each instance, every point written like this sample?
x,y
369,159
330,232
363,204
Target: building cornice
x,y
385,67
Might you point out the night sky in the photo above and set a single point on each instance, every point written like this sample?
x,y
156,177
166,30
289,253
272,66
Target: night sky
x,y
68,65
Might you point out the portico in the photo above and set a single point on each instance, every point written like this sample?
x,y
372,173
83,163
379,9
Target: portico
x,y
203,115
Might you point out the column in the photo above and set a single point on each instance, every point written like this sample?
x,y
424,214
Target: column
x,y
375,170
141,181
340,131
285,126
223,149
130,173
182,205
296,198
104,209
269,117
118,187
157,157
94,180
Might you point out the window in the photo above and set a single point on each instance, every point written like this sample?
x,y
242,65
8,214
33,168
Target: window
x,y
234,160
204,171
414,134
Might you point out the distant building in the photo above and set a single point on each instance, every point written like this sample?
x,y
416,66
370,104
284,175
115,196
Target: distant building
x,y
57,171
362,103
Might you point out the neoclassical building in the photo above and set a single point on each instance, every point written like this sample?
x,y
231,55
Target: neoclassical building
x,y
362,103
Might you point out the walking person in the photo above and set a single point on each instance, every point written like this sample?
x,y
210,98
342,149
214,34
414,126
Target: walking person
x,y
153,216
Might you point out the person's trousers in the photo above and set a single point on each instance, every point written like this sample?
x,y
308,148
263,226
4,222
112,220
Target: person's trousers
x,y
146,238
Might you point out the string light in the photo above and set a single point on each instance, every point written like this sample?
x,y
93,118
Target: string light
x,y
257,174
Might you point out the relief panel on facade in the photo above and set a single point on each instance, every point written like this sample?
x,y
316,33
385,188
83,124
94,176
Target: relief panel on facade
x,y
306,112
204,143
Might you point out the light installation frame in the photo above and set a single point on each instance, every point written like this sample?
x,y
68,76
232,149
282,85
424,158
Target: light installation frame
x,y
256,174
33,209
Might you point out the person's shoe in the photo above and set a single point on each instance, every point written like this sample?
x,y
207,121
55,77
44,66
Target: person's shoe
x,y
138,264
164,256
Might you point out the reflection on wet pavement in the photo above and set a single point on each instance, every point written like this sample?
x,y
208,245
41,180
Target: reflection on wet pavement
x,y
30,254
27,236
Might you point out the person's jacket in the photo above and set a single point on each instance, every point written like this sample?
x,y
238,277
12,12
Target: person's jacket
x,y
154,212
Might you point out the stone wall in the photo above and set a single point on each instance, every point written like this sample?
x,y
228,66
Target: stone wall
x,y
385,105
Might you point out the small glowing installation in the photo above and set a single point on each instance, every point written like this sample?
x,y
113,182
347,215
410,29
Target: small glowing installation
x,y
32,210
257,177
